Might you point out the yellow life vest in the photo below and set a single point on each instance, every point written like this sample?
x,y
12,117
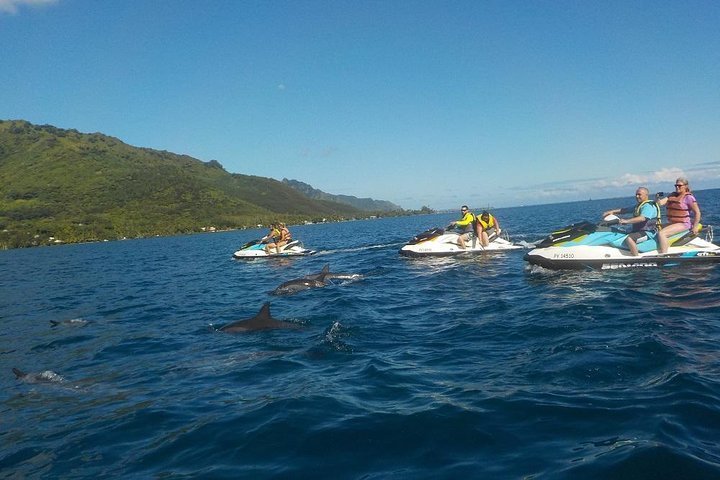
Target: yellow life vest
x,y
489,224
647,223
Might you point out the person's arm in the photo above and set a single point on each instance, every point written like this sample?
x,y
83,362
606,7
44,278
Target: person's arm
x,y
629,221
696,219
466,220
614,211
646,212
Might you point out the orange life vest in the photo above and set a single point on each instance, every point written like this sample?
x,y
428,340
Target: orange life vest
x,y
677,210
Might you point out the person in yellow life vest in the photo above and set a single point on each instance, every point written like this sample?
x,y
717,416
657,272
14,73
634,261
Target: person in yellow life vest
x,y
464,225
645,220
272,238
486,226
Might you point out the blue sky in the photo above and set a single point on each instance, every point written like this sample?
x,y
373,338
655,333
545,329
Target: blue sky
x,y
418,102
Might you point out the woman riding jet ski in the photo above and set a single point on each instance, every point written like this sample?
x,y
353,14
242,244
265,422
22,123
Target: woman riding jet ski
x,y
603,246
277,243
444,242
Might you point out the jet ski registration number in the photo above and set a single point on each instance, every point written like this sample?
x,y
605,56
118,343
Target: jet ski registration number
x,y
564,255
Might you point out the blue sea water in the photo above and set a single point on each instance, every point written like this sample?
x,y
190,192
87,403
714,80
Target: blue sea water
x,y
476,367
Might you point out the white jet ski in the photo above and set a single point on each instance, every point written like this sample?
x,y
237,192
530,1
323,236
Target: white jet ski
x,y
588,246
256,249
443,242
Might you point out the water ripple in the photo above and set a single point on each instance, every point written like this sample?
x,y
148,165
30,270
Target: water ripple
x,y
475,367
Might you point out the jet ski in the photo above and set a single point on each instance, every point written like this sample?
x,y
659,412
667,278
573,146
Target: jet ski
x,y
443,242
601,246
256,249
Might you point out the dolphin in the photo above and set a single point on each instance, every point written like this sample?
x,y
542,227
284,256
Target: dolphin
x,y
74,322
320,275
46,377
261,321
298,285
316,280
327,276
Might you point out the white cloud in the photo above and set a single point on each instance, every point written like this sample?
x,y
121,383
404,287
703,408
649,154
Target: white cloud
x,y
664,175
701,176
12,6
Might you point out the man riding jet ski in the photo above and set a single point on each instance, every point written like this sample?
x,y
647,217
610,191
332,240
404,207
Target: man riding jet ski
x,y
606,246
466,239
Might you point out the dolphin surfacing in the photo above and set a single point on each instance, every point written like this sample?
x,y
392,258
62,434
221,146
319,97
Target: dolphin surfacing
x,y
47,376
327,277
298,285
262,321
317,280
75,322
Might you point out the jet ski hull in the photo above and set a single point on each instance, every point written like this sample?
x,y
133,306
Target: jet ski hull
x,y
439,243
609,258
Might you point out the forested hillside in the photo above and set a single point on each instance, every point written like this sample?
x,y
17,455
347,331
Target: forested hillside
x,y
62,185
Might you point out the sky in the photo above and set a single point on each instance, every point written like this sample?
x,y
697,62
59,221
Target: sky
x,y
419,102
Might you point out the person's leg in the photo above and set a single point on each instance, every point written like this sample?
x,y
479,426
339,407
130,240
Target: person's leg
x,y
484,240
665,233
461,240
632,246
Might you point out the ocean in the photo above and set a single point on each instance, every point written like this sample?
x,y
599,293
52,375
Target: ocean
x,y
477,367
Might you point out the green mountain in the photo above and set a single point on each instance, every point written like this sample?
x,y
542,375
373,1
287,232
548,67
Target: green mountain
x,y
62,185
366,204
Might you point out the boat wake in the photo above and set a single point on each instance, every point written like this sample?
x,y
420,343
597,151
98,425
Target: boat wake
x,y
357,249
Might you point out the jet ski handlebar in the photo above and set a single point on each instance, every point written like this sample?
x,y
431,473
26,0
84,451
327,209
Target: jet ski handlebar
x,y
610,220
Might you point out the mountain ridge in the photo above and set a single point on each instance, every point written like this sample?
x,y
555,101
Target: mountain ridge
x,y
366,203
60,185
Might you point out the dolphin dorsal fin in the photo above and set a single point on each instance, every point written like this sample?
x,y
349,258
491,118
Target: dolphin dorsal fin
x,y
264,312
326,269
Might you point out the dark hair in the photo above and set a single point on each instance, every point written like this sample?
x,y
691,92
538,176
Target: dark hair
x,y
485,214
465,207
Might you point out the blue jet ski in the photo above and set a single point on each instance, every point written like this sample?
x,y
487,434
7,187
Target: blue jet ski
x,y
256,249
601,246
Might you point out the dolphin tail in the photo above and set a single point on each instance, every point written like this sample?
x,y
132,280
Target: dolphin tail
x,y
54,323
18,373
